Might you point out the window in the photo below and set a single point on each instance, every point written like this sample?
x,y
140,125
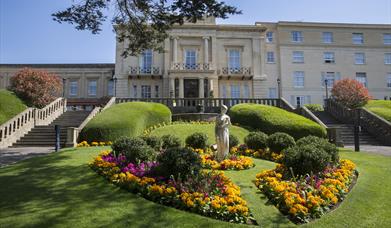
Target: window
x,y
110,88
387,58
190,59
272,92
156,91
146,62
387,38
270,57
92,87
297,36
298,57
327,37
73,88
362,78
233,60
134,91
145,91
300,100
358,38
269,37
359,58
328,57
235,91
298,79
331,77
388,80
246,91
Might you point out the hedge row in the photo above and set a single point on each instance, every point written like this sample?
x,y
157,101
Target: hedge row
x,y
270,119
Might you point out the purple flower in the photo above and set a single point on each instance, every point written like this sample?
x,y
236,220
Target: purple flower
x,y
139,170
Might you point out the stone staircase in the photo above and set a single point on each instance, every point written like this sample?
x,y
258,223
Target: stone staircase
x,y
346,130
45,136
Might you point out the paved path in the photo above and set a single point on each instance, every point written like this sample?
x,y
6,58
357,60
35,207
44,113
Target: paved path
x,y
385,150
12,155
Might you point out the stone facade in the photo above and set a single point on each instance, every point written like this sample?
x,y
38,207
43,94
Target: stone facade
x,y
239,61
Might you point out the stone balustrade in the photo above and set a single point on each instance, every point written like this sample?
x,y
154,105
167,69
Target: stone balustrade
x,y
21,124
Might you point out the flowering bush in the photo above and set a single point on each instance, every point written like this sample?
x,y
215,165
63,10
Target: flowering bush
x,y
309,196
86,144
350,93
210,193
37,88
266,154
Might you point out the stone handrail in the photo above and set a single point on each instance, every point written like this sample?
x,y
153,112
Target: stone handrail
x,y
340,112
73,132
376,126
21,124
304,111
50,112
284,104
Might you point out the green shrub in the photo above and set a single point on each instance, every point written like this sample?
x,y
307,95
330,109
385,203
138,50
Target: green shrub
x,y
306,159
125,119
153,141
197,140
381,108
10,105
170,141
256,140
233,141
179,162
280,141
271,119
329,148
134,149
314,107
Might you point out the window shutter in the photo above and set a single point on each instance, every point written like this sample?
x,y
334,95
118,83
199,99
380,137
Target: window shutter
x,y
322,78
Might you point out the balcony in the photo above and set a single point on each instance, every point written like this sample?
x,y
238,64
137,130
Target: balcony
x,y
236,71
197,67
151,71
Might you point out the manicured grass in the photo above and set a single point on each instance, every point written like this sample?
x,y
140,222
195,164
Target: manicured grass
x,y
184,130
381,108
271,119
126,119
60,189
10,105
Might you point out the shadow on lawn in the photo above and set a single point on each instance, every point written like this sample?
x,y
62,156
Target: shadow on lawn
x,y
58,189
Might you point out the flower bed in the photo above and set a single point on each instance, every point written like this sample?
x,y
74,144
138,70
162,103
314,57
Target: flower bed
x,y
86,144
310,196
209,193
233,162
263,154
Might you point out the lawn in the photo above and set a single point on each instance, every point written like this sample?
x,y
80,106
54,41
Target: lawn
x,y
60,189
186,129
10,105
381,108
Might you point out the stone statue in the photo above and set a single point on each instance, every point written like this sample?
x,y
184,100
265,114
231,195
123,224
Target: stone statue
x,y
222,134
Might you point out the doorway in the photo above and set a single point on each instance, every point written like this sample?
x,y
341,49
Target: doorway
x,y
191,88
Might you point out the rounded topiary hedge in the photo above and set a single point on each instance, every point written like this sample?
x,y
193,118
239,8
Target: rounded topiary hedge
x,y
271,119
126,119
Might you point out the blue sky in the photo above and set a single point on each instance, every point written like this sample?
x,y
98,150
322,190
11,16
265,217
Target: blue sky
x,y
29,35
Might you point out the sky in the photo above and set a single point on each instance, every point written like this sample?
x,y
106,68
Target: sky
x,y
29,35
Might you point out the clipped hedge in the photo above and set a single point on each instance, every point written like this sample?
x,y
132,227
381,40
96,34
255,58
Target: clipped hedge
x,y
271,119
126,119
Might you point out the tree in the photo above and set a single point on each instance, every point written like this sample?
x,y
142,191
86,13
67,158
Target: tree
x,y
37,88
144,23
350,93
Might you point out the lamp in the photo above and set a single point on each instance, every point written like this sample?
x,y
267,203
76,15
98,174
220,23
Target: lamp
x,y
279,87
63,86
114,78
326,87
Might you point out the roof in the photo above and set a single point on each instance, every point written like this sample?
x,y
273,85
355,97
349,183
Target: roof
x,y
61,65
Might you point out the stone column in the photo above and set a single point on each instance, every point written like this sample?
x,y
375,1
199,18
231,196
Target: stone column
x,y
201,88
210,87
175,49
181,88
206,49
172,87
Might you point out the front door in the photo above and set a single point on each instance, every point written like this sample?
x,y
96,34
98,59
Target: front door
x,y
191,88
